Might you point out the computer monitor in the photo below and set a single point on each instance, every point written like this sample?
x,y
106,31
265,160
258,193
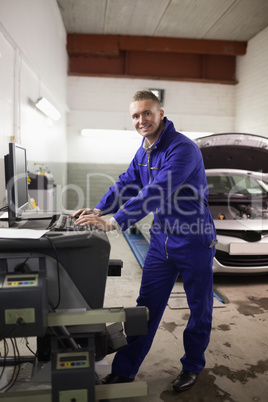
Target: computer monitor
x,y
16,176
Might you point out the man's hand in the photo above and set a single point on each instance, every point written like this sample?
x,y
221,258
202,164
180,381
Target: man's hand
x,y
87,211
94,220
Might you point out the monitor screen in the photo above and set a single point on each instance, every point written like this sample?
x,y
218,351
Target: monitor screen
x,y
16,181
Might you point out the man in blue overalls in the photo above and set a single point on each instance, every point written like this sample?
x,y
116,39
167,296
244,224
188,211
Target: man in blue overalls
x,y
166,177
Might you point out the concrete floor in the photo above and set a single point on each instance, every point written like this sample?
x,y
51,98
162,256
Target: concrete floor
x,y
237,356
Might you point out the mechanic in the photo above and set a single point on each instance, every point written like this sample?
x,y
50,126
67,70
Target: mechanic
x,y
166,177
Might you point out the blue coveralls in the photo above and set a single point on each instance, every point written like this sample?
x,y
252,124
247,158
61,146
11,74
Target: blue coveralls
x,y
171,183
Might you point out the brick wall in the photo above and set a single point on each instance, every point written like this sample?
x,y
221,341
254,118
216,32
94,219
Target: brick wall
x,y
89,182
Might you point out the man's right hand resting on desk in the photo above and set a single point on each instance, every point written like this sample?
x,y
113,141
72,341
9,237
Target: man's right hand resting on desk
x,y
89,216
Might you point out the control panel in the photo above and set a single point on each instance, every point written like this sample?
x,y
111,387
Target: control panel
x,y
78,360
23,303
20,280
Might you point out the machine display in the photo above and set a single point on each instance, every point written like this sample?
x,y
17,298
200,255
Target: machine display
x,y
16,176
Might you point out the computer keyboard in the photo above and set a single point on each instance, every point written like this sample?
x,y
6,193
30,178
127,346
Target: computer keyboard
x,y
65,222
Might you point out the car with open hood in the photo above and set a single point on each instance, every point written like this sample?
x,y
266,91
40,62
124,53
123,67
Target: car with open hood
x,y
237,173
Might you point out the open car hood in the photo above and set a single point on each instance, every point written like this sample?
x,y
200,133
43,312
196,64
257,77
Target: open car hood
x,y
235,151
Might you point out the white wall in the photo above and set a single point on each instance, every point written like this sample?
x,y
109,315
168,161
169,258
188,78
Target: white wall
x,y
102,103
252,90
33,63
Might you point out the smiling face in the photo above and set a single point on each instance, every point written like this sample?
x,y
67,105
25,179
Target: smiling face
x,y
147,118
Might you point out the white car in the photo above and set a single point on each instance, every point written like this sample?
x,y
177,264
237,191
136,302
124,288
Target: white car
x,y
237,174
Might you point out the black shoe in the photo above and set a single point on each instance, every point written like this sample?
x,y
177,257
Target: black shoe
x,y
185,380
115,379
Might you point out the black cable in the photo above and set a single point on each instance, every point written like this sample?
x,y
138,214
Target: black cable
x,y
28,347
15,348
6,349
17,367
16,354
10,382
19,362
58,272
21,267
5,357
10,331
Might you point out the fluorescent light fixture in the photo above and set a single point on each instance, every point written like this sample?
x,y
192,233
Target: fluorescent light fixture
x,y
48,109
159,93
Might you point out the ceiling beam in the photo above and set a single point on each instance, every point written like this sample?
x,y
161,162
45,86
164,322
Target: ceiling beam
x,y
84,44
175,67
154,57
179,45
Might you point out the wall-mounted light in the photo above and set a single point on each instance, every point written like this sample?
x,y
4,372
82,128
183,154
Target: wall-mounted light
x,y
48,109
159,93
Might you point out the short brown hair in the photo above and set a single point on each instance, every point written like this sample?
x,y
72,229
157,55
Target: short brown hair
x,y
144,95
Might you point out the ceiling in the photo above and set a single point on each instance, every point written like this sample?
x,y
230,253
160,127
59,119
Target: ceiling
x,y
236,20
196,40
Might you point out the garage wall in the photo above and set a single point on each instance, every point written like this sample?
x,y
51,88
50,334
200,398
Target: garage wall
x,y
33,63
29,70
102,103
252,90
